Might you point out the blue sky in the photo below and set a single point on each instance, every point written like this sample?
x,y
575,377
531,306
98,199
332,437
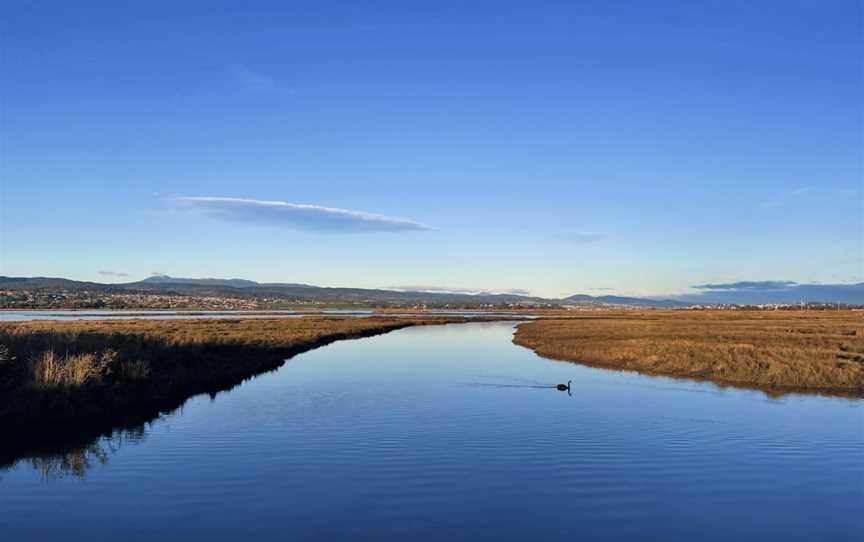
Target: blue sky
x,y
555,147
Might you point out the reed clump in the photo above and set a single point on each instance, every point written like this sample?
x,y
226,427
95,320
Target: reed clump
x,y
51,369
821,351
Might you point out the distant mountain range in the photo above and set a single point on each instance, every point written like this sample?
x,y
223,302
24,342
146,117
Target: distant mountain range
x,y
162,284
733,293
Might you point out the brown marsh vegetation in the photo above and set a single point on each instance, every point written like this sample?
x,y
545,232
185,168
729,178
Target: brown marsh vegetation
x,y
819,351
79,379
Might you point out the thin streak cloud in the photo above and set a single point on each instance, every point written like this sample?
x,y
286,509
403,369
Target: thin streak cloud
x,y
786,198
451,290
252,80
745,285
298,216
112,274
582,237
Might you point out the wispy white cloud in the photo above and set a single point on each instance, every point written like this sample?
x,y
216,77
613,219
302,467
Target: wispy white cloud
x,y
582,237
785,198
749,285
298,216
451,290
253,80
112,274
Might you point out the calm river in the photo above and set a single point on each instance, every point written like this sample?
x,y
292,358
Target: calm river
x,y
445,433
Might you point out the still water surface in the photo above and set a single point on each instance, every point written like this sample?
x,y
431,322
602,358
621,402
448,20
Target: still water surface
x,y
445,433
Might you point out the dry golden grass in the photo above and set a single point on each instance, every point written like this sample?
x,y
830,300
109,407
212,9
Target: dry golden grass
x,y
70,372
26,339
93,350
71,381
795,350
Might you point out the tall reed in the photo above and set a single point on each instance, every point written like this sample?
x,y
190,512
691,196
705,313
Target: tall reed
x,y
51,369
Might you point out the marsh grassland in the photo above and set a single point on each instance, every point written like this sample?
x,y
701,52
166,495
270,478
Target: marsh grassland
x,y
820,351
79,377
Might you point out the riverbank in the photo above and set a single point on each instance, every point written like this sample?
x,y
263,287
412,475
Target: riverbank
x,y
779,351
78,379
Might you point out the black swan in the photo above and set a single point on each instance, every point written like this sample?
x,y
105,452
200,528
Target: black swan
x,y
562,387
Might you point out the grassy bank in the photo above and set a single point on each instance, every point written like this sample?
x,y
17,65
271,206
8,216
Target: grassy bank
x,y
821,351
77,379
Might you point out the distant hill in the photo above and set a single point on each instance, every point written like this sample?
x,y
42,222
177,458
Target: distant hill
x,y
41,283
231,287
240,288
582,299
165,279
